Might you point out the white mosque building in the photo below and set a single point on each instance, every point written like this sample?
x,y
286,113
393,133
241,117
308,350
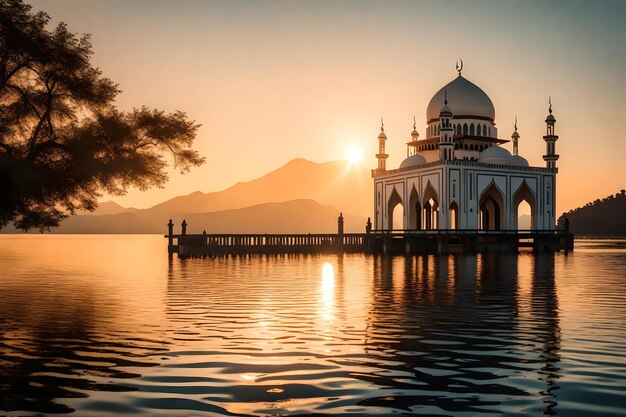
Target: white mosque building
x,y
459,176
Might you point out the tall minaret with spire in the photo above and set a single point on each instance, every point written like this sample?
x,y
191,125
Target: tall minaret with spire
x,y
446,144
515,136
381,155
550,157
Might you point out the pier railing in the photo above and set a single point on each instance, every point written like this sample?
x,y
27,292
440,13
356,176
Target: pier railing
x,y
376,241
457,232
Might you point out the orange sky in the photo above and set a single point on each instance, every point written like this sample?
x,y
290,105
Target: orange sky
x,y
274,80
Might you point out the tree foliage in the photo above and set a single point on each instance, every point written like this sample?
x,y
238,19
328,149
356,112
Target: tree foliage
x,y
62,140
600,217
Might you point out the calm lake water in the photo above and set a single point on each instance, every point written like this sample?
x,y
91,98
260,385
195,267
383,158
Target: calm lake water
x,y
106,325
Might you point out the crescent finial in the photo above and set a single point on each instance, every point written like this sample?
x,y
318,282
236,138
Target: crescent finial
x,y
550,103
414,124
382,125
459,67
515,125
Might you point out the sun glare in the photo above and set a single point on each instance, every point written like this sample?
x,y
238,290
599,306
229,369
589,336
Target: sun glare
x,y
355,156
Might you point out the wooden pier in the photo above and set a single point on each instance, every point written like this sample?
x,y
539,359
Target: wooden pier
x,y
374,242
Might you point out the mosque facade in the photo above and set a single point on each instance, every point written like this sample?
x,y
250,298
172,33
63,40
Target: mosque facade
x,y
459,176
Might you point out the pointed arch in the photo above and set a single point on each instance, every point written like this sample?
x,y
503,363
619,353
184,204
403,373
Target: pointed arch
x,y
394,200
524,194
414,210
454,216
430,204
465,129
471,131
491,208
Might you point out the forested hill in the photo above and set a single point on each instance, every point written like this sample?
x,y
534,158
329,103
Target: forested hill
x,y
601,217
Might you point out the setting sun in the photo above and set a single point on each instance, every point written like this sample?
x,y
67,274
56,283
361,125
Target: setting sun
x,y
355,156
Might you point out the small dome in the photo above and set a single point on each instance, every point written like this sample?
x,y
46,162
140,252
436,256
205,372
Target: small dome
x,y
412,161
467,99
518,160
550,118
445,110
515,135
495,155
382,135
414,134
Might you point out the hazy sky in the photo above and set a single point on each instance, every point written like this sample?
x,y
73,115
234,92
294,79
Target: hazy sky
x,y
274,80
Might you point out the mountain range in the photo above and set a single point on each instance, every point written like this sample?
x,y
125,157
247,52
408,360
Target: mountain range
x,y
299,197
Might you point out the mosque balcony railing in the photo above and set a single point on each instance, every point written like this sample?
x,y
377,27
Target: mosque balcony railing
x,y
456,232
461,162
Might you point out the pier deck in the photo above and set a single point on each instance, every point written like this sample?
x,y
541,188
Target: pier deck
x,y
375,242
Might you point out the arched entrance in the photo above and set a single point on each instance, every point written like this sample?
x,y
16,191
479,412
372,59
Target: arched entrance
x,y
454,216
430,208
395,201
415,211
491,213
524,195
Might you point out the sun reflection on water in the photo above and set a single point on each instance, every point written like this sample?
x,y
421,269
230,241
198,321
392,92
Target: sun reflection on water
x,y
316,334
327,288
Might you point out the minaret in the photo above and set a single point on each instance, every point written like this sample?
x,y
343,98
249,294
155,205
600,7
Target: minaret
x,y
550,157
446,144
413,143
381,155
515,137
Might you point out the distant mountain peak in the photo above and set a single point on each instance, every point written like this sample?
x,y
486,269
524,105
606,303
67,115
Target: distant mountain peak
x,y
300,161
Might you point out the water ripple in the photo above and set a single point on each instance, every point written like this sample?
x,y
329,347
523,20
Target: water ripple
x,y
309,335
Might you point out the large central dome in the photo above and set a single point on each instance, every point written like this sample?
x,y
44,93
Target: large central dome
x,y
465,99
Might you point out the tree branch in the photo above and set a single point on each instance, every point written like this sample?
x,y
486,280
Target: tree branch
x,y
26,98
45,117
5,80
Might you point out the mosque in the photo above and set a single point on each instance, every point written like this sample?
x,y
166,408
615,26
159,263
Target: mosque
x,y
459,176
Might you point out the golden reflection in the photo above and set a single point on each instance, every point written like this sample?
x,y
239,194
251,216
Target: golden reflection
x,y
327,287
452,275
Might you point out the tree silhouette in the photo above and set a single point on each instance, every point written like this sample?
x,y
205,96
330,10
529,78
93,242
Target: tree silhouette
x,y
62,140
604,217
